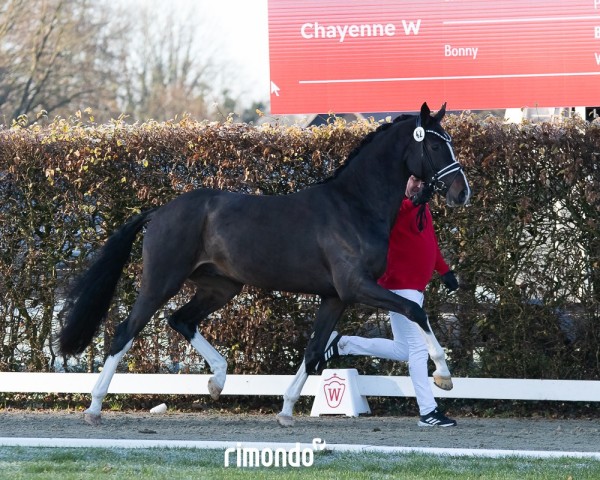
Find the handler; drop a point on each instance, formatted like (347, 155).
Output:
(413, 256)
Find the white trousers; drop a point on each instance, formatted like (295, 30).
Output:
(408, 345)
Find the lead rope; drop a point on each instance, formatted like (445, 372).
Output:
(422, 217)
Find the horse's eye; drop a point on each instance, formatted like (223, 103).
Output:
(435, 147)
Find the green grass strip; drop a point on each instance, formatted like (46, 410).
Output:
(175, 464)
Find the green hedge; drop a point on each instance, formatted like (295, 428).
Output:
(526, 250)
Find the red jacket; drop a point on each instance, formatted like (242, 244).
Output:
(412, 256)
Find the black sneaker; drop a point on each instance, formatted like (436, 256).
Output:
(331, 351)
(436, 418)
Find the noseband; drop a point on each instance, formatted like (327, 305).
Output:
(435, 184)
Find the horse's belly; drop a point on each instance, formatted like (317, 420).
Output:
(275, 274)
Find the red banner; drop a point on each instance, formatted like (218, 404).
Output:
(391, 55)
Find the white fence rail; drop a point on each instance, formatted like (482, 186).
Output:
(369, 385)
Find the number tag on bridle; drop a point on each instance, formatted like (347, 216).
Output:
(419, 134)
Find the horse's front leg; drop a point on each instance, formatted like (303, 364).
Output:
(291, 396)
(330, 310)
(369, 293)
(441, 375)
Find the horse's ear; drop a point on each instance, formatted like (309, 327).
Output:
(441, 112)
(425, 112)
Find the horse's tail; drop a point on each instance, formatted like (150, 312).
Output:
(89, 300)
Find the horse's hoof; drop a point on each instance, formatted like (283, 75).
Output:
(92, 419)
(445, 383)
(285, 420)
(214, 389)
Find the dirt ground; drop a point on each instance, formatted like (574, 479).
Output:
(581, 435)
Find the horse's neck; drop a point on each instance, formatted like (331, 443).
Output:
(377, 184)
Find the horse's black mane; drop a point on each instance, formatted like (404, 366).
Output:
(368, 139)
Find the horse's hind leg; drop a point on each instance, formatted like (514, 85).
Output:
(92, 414)
(141, 313)
(441, 375)
(212, 293)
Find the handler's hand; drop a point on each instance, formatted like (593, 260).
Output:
(450, 281)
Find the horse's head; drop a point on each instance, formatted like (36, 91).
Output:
(432, 159)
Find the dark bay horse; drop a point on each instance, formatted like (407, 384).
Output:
(329, 239)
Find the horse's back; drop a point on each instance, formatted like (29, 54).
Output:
(267, 241)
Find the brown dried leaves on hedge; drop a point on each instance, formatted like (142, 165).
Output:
(526, 250)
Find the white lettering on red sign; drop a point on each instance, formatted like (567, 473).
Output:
(313, 30)
(450, 51)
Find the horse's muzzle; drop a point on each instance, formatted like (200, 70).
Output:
(458, 199)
